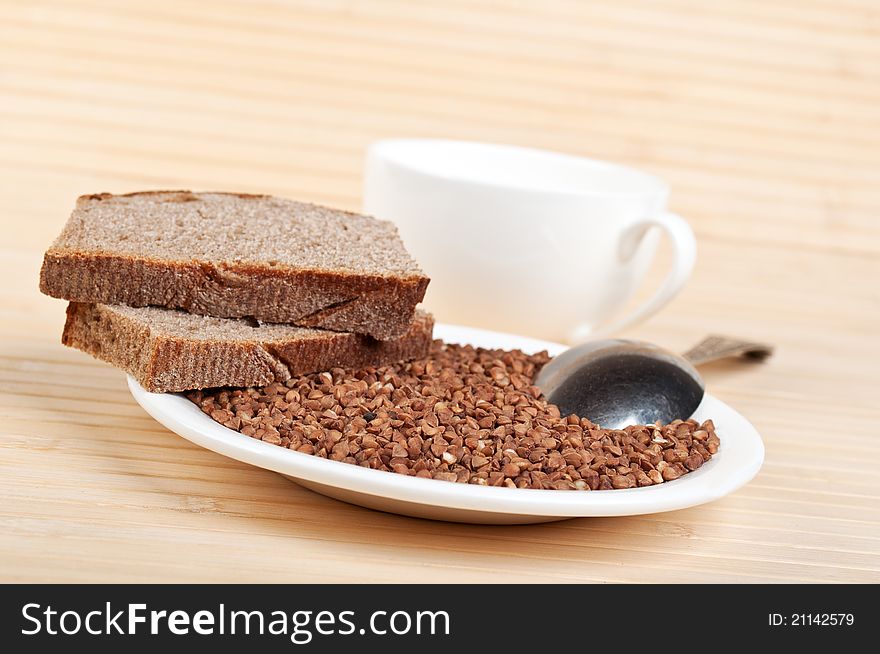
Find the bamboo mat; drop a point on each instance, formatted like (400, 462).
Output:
(762, 115)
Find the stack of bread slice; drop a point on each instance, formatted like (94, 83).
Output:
(196, 290)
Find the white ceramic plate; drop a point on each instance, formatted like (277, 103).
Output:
(737, 461)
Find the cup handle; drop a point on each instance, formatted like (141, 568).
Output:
(684, 254)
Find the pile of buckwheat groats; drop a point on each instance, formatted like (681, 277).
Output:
(463, 414)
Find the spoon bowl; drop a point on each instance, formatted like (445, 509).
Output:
(616, 382)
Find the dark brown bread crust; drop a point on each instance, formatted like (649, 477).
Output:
(379, 306)
(170, 363)
(382, 306)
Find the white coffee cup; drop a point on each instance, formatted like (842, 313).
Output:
(527, 241)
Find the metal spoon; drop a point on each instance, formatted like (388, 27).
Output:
(618, 382)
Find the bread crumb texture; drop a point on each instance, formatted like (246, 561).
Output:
(234, 229)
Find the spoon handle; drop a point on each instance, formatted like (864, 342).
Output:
(716, 347)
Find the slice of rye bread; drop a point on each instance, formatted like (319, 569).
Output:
(236, 255)
(168, 350)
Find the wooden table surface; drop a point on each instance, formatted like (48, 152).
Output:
(762, 114)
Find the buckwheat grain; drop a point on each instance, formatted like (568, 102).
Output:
(463, 414)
